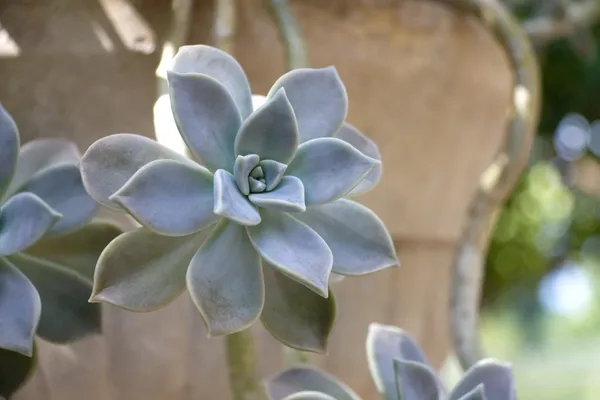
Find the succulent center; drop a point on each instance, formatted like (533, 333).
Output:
(256, 180)
(253, 175)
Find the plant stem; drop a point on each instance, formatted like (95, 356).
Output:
(241, 362)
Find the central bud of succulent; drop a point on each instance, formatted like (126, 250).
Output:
(253, 175)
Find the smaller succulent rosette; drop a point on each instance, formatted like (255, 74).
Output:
(400, 371)
(257, 221)
(47, 250)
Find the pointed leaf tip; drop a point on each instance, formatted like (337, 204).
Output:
(329, 168)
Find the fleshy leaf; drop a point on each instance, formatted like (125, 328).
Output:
(387, 343)
(257, 172)
(365, 145)
(288, 196)
(225, 280)
(15, 370)
(359, 241)
(241, 171)
(66, 313)
(256, 185)
(295, 315)
(476, 394)
(20, 308)
(294, 249)
(169, 197)
(143, 271)
(329, 168)
(496, 377)
(111, 161)
(207, 60)
(207, 118)
(24, 219)
(61, 188)
(414, 381)
(37, 155)
(230, 203)
(271, 131)
(306, 378)
(274, 172)
(79, 250)
(9, 149)
(308, 395)
(318, 98)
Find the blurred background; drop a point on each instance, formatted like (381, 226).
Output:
(541, 298)
(432, 88)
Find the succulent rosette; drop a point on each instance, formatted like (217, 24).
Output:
(400, 371)
(254, 224)
(47, 250)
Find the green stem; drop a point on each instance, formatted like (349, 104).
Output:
(243, 373)
(293, 357)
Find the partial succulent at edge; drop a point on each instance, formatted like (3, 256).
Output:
(256, 230)
(400, 371)
(47, 250)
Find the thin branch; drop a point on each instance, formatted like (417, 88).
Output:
(289, 33)
(499, 179)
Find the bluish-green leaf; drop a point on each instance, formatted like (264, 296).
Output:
(20, 308)
(294, 314)
(230, 203)
(256, 185)
(111, 161)
(61, 188)
(37, 155)
(207, 118)
(414, 381)
(9, 148)
(359, 241)
(273, 172)
(241, 171)
(368, 147)
(143, 271)
(305, 378)
(169, 197)
(207, 60)
(24, 219)
(288, 196)
(15, 370)
(476, 394)
(294, 249)
(318, 98)
(385, 344)
(79, 250)
(496, 377)
(329, 168)
(66, 313)
(271, 131)
(225, 280)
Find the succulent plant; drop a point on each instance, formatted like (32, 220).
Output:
(254, 223)
(400, 371)
(47, 250)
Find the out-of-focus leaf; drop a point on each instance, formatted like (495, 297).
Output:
(295, 315)
(15, 369)
(66, 313)
(20, 309)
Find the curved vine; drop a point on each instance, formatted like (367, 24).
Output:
(499, 180)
